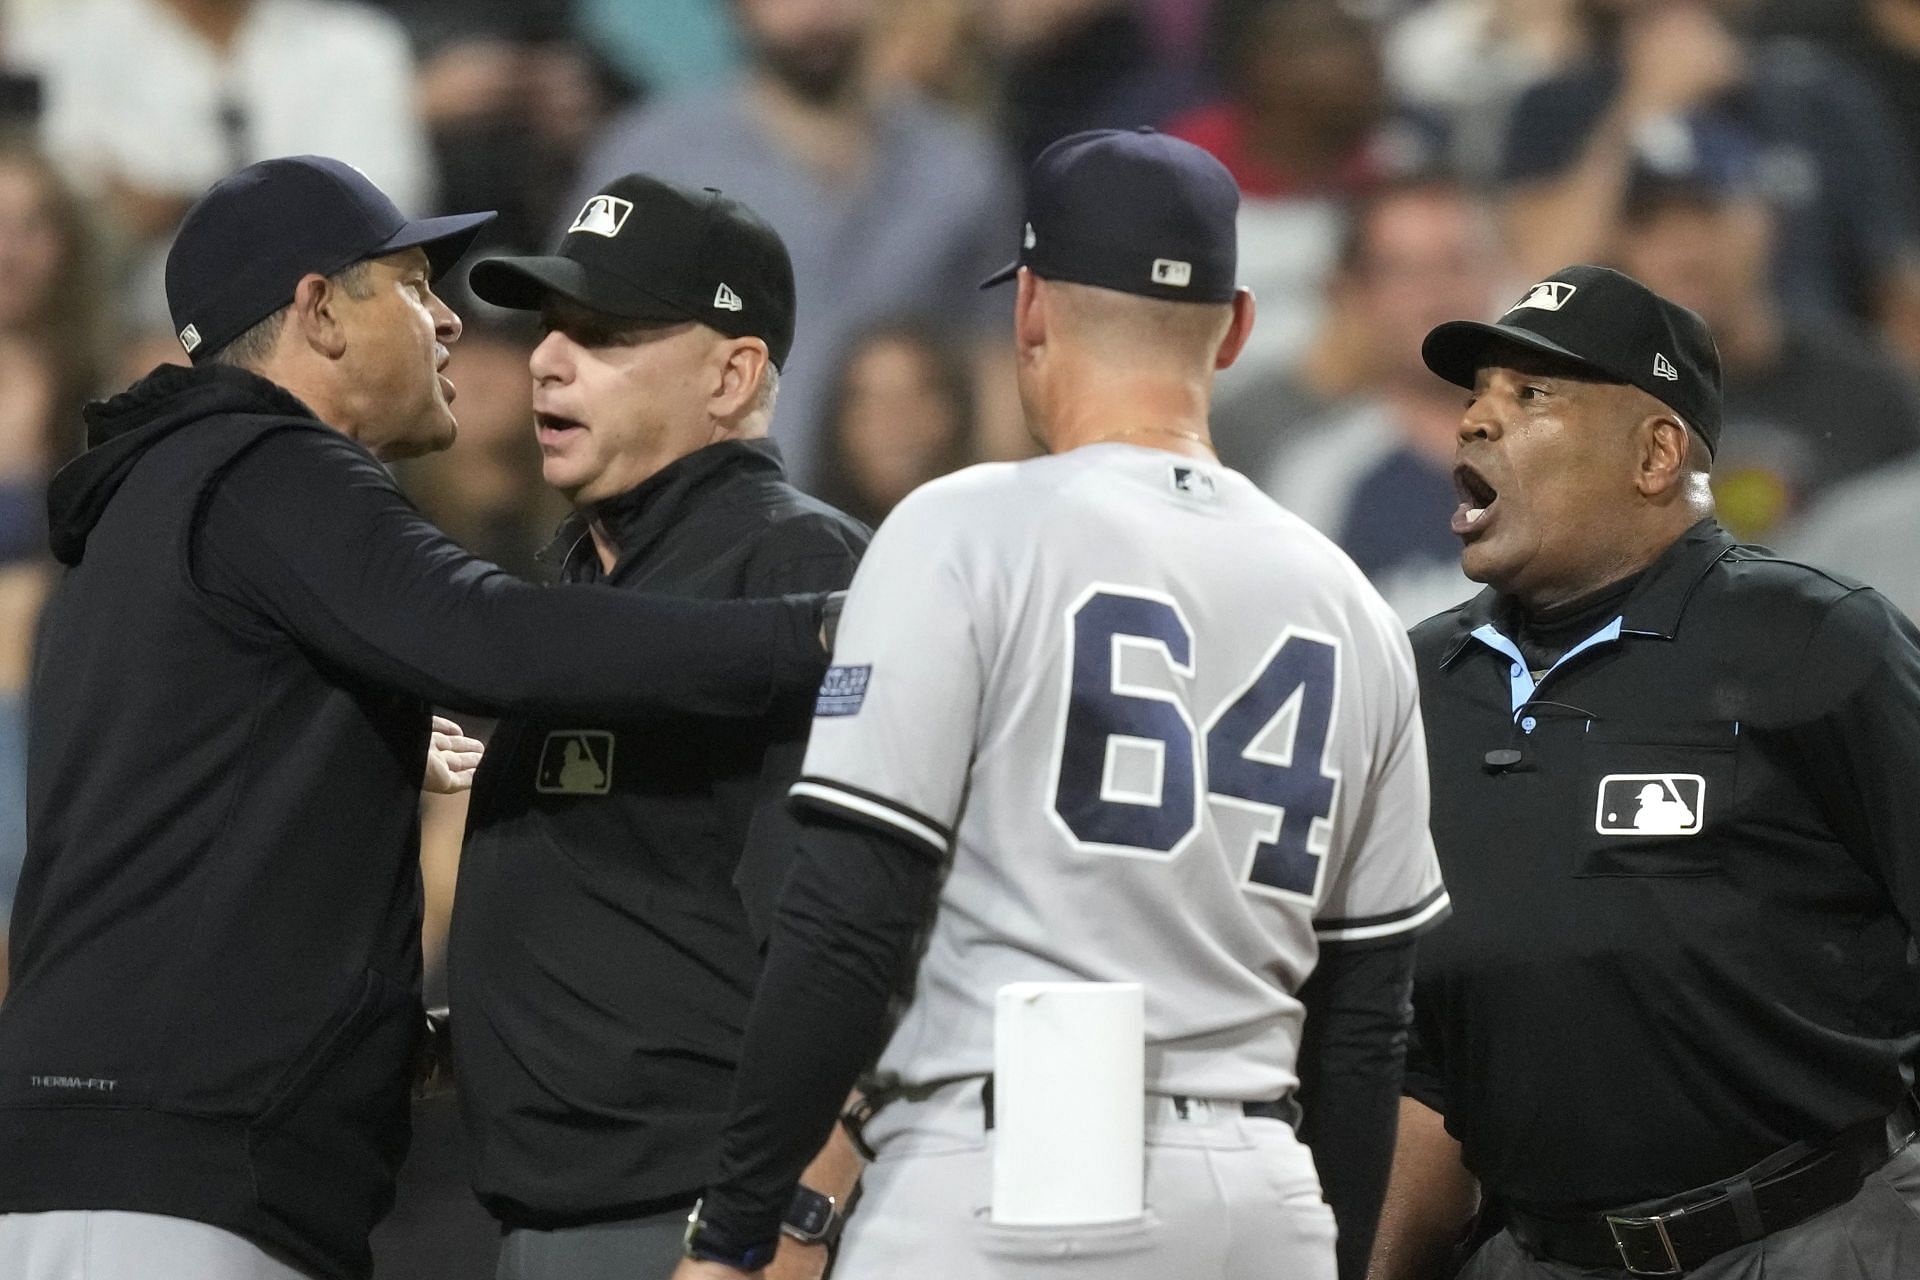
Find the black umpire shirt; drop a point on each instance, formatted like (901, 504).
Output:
(1685, 869)
(618, 881)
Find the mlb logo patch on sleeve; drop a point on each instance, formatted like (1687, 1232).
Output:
(843, 691)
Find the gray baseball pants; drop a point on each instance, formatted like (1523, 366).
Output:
(107, 1244)
(1228, 1197)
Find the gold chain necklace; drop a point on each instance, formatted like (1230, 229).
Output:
(1194, 436)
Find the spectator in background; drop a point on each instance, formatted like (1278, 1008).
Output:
(1306, 126)
(51, 354)
(1810, 400)
(1376, 474)
(668, 46)
(1848, 235)
(1072, 65)
(510, 99)
(53, 348)
(1867, 528)
(900, 414)
(1469, 60)
(937, 49)
(1883, 42)
(151, 101)
(888, 204)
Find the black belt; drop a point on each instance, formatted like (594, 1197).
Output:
(1673, 1236)
(1284, 1109)
(856, 1117)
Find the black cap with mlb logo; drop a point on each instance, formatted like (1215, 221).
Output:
(655, 252)
(1609, 322)
(1131, 210)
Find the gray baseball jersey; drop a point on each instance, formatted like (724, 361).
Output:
(1165, 732)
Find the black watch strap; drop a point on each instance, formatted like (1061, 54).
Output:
(701, 1246)
(813, 1218)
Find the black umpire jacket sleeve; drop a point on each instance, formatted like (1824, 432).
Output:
(1359, 1005)
(1857, 736)
(309, 531)
(856, 905)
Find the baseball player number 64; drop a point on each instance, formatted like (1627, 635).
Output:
(1115, 635)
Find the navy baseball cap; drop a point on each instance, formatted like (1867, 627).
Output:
(1132, 210)
(246, 244)
(1616, 327)
(655, 252)
(1692, 157)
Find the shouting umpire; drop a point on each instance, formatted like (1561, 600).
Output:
(216, 946)
(619, 879)
(1671, 1025)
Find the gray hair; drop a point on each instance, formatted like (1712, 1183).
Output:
(251, 349)
(769, 389)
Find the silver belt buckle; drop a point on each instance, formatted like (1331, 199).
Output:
(1659, 1224)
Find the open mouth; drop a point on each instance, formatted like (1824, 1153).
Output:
(1477, 498)
(551, 428)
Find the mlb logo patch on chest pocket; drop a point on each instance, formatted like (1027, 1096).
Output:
(575, 762)
(1650, 804)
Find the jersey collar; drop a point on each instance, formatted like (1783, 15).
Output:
(1653, 610)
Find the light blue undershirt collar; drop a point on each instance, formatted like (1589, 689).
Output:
(1520, 682)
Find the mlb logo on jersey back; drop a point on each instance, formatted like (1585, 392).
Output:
(603, 216)
(1650, 804)
(1191, 482)
(1548, 295)
(575, 762)
(843, 692)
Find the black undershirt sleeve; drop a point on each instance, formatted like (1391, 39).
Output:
(1359, 1005)
(797, 562)
(844, 937)
(310, 532)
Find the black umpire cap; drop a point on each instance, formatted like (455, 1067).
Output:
(655, 252)
(1616, 327)
(245, 245)
(1131, 210)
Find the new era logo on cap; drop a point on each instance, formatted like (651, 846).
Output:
(727, 300)
(603, 216)
(1548, 295)
(1663, 368)
(190, 339)
(1170, 271)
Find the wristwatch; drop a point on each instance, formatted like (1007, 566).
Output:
(813, 1218)
(702, 1248)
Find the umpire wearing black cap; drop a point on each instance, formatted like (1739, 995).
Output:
(618, 879)
(1671, 1026)
(216, 944)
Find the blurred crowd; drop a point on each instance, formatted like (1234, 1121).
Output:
(1404, 162)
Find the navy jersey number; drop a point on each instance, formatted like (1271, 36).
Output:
(1151, 807)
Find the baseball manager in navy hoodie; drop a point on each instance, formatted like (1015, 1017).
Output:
(204, 1059)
